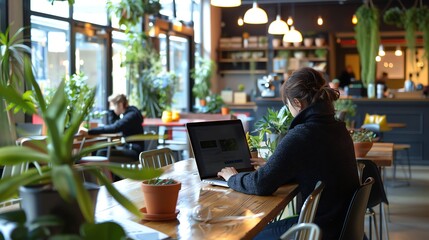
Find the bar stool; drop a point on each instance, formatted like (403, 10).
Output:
(396, 149)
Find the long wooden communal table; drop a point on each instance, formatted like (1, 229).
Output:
(381, 154)
(221, 201)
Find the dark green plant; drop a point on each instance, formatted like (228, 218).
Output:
(58, 160)
(368, 40)
(160, 181)
(214, 104)
(394, 16)
(362, 135)
(131, 12)
(345, 105)
(50, 227)
(202, 73)
(254, 141)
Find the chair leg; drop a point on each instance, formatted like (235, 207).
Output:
(386, 225)
(374, 222)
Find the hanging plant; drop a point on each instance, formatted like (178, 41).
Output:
(71, 2)
(422, 22)
(368, 40)
(394, 16)
(129, 12)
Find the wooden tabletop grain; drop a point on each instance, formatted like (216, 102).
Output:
(195, 194)
(381, 154)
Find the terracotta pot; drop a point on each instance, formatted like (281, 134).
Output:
(308, 42)
(224, 110)
(362, 148)
(320, 42)
(160, 199)
(254, 154)
(203, 102)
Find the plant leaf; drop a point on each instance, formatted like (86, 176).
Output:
(15, 216)
(11, 155)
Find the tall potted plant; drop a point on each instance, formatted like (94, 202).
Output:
(59, 171)
(202, 74)
(368, 40)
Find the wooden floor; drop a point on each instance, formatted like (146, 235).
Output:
(409, 205)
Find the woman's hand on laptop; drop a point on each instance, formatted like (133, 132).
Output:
(227, 172)
(257, 162)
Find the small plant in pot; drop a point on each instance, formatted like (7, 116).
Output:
(254, 142)
(362, 140)
(160, 197)
(202, 74)
(58, 175)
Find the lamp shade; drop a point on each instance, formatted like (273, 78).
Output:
(292, 36)
(278, 27)
(225, 3)
(255, 15)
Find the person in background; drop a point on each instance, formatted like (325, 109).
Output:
(124, 119)
(316, 148)
(346, 77)
(383, 81)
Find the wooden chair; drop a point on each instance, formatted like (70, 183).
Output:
(354, 223)
(312, 229)
(156, 158)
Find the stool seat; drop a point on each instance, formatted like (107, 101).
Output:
(87, 159)
(398, 147)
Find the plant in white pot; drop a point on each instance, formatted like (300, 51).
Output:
(58, 171)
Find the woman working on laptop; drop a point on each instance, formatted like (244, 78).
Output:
(316, 147)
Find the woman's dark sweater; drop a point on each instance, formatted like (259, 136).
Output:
(316, 147)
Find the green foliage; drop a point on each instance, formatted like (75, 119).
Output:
(50, 227)
(362, 135)
(274, 122)
(368, 40)
(75, 86)
(253, 141)
(202, 74)
(58, 159)
(214, 104)
(131, 12)
(346, 105)
(160, 181)
(152, 88)
(394, 16)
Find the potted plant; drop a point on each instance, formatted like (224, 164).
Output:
(160, 197)
(214, 104)
(202, 74)
(362, 141)
(273, 127)
(130, 12)
(254, 142)
(58, 172)
(344, 109)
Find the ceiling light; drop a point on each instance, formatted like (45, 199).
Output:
(378, 59)
(354, 19)
(225, 3)
(289, 21)
(292, 36)
(278, 27)
(240, 21)
(320, 21)
(398, 51)
(255, 15)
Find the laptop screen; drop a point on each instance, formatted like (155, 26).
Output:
(217, 145)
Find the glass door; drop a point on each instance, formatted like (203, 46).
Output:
(90, 59)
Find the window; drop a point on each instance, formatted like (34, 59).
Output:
(93, 11)
(59, 8)
(50, 48)
(119, 84)
(184, 10)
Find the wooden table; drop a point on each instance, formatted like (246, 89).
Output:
(222, 201)
(381, 154)
(157, 122)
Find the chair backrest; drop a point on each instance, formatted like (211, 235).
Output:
(378, 195)
(312, 229)
(353, 227)
(156, 158)
(360, 167)
(309, 208)
(28, 129)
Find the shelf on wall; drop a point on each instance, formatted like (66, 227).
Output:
(243, 72)
(244, 60)
(244, 49)
(301, 48)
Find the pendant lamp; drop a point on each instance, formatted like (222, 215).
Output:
(278, 27)
(398, 51)
(225, 3)
(292, 36)
(255, 15)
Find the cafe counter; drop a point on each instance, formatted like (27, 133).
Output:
(413, 113)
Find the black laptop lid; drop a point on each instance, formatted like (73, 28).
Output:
(219, 144)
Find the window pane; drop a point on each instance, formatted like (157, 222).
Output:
(184, 10)
(163, 50)
(91, 60)
(59, 8)
(179, 64)
(119, 84)
(167, 8)
(49, 50)
(197, 21)
(93, 11)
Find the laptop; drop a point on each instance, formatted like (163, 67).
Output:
(219, 144)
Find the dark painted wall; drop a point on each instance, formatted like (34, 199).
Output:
(3, 15)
